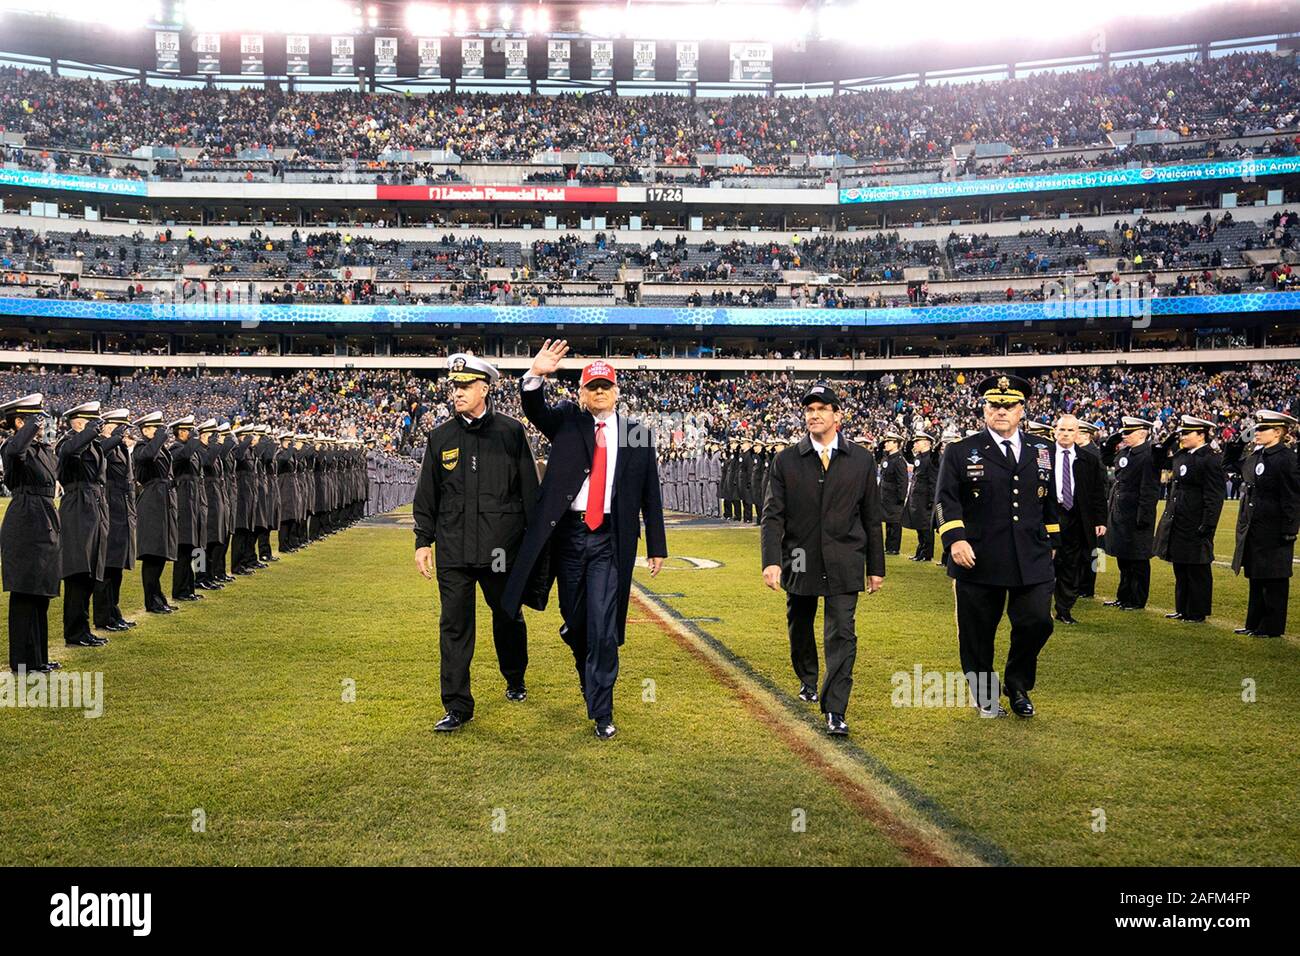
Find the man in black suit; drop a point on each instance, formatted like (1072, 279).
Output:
(1087, 445)
(996, 508)
(1185, 537)
(821, 536)
(601, 479)
(1082, 510)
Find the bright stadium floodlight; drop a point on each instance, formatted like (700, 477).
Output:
(484, 17)
(285, 16)
(123, 15)
(507, 17)
(722, 21)
(976, 24)
(461, 20)
(428, 20)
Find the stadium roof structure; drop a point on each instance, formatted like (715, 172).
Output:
(815, 43)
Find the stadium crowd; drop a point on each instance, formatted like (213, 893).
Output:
(1226, 96)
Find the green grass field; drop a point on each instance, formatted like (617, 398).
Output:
(235, 707)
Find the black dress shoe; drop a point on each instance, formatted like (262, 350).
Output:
(1066, 617)
(270, 557)
(185, 597)
(260, 564)
(992, 711)
(1192, 620)
(452, 721)
(517, 693)
(51, 666)
(1116, 603)
(1021, 705)
(606, 730)
(114, 627)
(1174, 616)
(227, 578)
(1132, 607)
(242, 571)
(835, 725)
(123, 622)
(1243, 630)
(807, 693)
(85, 640)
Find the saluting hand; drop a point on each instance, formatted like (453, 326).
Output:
(549, 358)
(424, 562)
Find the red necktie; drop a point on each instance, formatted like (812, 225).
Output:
(596, 486)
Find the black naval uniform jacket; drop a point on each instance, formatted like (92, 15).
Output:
(832, 514)
(31, 558)
(83, 509)
(1269, 515)
(119, 484)
(478, 483)
(918, 513)
(1186, 532)
(893, 487)
(1007, 514)
(156, 502)
(1131, 511)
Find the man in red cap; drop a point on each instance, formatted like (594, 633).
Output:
(602, 479)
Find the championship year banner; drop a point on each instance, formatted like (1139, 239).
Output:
(430, 56)
(602, 59)
(516, 59)
(342, 50)
(751, 62)
(643, 59)
(557, 59)
(297, 53)
(167, 47)
(252, 54)
(688, 60)
(385, 56)
(208, 47)
(471, 59)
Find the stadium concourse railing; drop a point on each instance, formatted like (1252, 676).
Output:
(1246, 170)
(11, 358)
(249, 315)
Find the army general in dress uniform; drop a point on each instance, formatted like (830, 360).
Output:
(1267, 524)
(996, 508)
(478, 481)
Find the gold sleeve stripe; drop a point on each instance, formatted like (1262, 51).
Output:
(945, 528)
(1053, 528)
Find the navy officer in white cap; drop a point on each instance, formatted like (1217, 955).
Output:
(83, 514)
(1267, 524)
(1185, 536)
(478, 484)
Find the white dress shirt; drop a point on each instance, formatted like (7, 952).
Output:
(1014, 438)
(833, 445)
(579, 502)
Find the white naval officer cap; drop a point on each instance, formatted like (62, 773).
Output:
(88, 410)
(463, 367)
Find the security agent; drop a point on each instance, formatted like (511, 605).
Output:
(115, 443)
(1185, 536)
(478, 482)
(821, 538)
(83, 519)
(30, 549)
(1267, 523)
(1086, 442)
(997, 517)
(1081, 507)
(893, 489)
(155, 510)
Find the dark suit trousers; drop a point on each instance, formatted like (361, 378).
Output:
(893, 536)
(839, 637)
(183, 570)
(1134, 581)
(1266, 608)
(29, 631)
(925, 544)
(457, 627)
(107, 594)
(1072, 557)
(77, 589)
(1193, 590)
(979, 611)
(587, 575)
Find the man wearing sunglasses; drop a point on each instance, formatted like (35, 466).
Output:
(996, 509)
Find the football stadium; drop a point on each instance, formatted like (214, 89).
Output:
(866, 435)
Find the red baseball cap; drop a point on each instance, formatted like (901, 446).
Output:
(597, 370)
